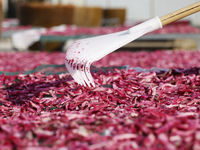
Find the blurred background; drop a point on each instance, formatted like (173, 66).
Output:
(52, 25)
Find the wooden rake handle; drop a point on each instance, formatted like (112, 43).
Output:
(181, 13)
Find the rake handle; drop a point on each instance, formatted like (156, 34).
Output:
(181, 13)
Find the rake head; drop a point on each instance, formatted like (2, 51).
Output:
(84, 52)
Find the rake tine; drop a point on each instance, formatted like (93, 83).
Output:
(82, 77)
(88, 74)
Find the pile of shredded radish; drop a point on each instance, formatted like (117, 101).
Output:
(25, 61)
(126, 110)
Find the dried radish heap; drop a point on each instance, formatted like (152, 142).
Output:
(160, 58)
(126, 110)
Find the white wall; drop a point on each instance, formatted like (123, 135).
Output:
(139, 10)
(163, 7)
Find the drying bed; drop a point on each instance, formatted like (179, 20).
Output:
(180, 27)
(25, 61)
(126, 110)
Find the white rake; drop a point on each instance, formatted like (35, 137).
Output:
(85, 51)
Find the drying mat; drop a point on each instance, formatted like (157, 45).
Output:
(59, 69)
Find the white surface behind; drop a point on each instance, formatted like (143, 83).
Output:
(140, 10)
(137, 10)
